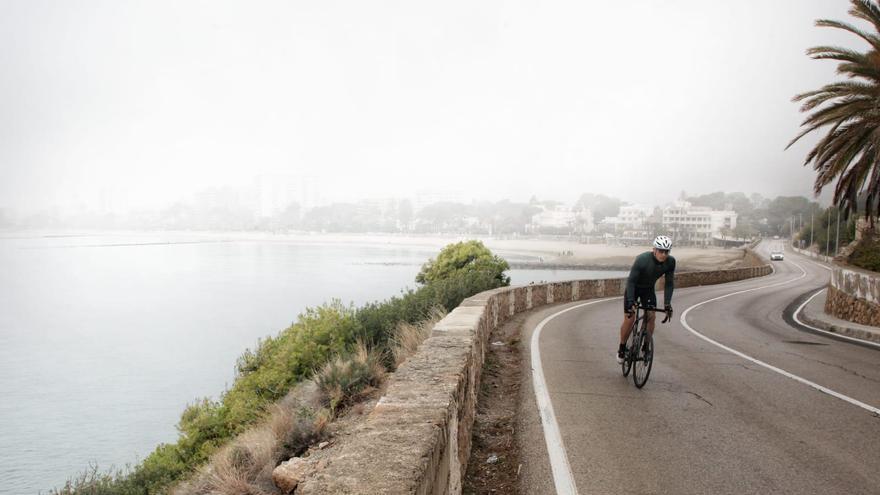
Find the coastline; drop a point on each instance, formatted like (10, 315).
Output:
(535, 252)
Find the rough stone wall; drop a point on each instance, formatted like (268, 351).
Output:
(854, 295)
(752, 260)
(417, 438)
(859, 284)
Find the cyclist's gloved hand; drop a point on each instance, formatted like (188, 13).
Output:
(668, 309)
(630, 308)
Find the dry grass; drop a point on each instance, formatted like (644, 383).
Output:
(346, 378)
(408, 337)
(245, 465)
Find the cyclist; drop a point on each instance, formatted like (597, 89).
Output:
(646, 270)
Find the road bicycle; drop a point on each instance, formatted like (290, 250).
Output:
(639, 355)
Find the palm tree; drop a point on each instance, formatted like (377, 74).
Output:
(850, 150)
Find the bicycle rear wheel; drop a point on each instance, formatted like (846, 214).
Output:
(644, 359)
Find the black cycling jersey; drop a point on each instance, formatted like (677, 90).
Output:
(645, 272)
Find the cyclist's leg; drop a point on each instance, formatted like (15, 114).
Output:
(626, 328)
(650, 300)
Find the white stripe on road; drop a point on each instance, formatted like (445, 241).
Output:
(562, 476)
(782, 372)
(834, 334)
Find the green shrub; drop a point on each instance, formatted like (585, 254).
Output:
(264, 375)
(379, 320)
(867, 254)
(464, 257)
(318, 334)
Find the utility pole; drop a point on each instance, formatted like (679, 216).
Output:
(828, 233)
(837, 241)
(811, 230)
(800, 229)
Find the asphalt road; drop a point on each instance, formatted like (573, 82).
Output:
(708, 421)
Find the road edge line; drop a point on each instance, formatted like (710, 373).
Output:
(563, 479)
(826, 390)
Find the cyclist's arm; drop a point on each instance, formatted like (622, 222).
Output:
(670, 283)
(630, 293)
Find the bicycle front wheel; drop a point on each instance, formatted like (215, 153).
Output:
(626, 365)
(644, 358)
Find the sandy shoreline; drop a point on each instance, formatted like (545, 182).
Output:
(535, 253)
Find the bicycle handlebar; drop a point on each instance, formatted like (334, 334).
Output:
(649, 308)
(656, 310)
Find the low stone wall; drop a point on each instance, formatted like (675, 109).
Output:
(812, 254)
(417, 438)
(854, 295)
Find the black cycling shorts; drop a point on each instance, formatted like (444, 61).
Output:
(646, 296)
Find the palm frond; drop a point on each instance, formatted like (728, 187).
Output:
(850, 70)
(837, 53)
(866, 10)
(849, 111)
(831, 92)
(872, 39)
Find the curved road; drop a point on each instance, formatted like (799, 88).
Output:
(708, 421)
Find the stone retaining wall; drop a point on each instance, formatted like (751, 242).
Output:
(417, 438)
(854, 295)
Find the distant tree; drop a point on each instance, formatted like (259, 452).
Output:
(602, 206)
(781, 210)
(337, 217)
(849, 151)
(405, 213)
(464, 257)
(758, 201)
(505, 217)
(744, 231)
(715, 200)
(290, 216)
(443, 215)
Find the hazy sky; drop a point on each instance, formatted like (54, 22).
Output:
(638, 99)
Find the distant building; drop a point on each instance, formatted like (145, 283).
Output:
(425, 197)
(276, 192)
(697, 225)
(562, 219)
(629, 218)
(635, 217)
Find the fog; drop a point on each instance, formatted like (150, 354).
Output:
(119, 105)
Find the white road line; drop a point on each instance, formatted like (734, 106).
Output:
(820, 265)
(836, 335)
(782, 372)
(562, 477)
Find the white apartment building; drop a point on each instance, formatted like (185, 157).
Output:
(629, 218)
(564, 218)
(690, 224)
(634, 216)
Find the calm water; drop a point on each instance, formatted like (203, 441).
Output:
(105, 339)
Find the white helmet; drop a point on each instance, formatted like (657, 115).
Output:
(663, 242)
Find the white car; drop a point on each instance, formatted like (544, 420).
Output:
(776, 256)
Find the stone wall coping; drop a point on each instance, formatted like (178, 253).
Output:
(855, 269)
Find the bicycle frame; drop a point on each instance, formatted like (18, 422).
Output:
(640, 348)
